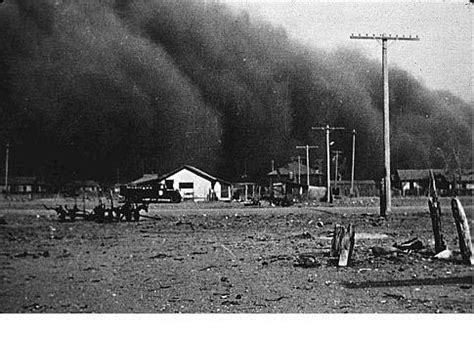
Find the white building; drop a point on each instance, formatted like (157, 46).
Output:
(192, 183)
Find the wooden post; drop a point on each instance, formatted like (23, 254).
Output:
(342, 244)
(382, 198)
(462, 226)
(435, 213)
(347, 246)
(339, 232)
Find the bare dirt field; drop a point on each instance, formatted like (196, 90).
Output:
(211, 258)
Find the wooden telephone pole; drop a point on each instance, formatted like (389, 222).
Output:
(353, 161)
(336, 157)
(328, 129)
(7, 150)
(386, 208)
(307, 147)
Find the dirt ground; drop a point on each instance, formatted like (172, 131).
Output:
(227, 258)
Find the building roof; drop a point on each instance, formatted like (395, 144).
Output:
(197, 171)
(295, 168)
(25, 181)
(423, 174)
(148, 178)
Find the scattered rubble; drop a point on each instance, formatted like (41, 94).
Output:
(306, 261)
(410, 245)
(446, 254)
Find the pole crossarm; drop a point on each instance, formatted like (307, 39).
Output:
(331, 128)
(385, 37)
(309, 147)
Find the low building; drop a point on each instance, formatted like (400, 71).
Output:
(297, 173)
(191, 182)
(417, 182)
(25, 185)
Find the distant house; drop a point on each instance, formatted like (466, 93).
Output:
(417, 182)
(191, 182)
(296, 173)
(24, 185)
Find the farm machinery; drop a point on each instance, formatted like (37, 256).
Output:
(133, 198)
(101, 213)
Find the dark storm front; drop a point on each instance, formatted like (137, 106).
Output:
(112, 90)
(187, 157)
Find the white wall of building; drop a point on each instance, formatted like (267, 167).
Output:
(200, 185)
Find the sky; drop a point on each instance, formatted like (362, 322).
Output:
(441, 59)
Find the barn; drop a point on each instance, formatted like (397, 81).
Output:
(192, 183)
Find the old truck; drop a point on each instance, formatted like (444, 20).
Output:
(149, 194)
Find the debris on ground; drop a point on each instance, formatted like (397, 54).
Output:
(26, 254)
(304, 235)
(306, 261)
(395, 296)
(410, 245)
(275, 299)
(160, 256)
(381, 251)
(446, 254)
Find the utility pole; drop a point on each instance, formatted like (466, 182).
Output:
(307, 147)
(7, 150)
(353, 161)
(328, 129)
(299, 169)
(337, 153)
(386, 209)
